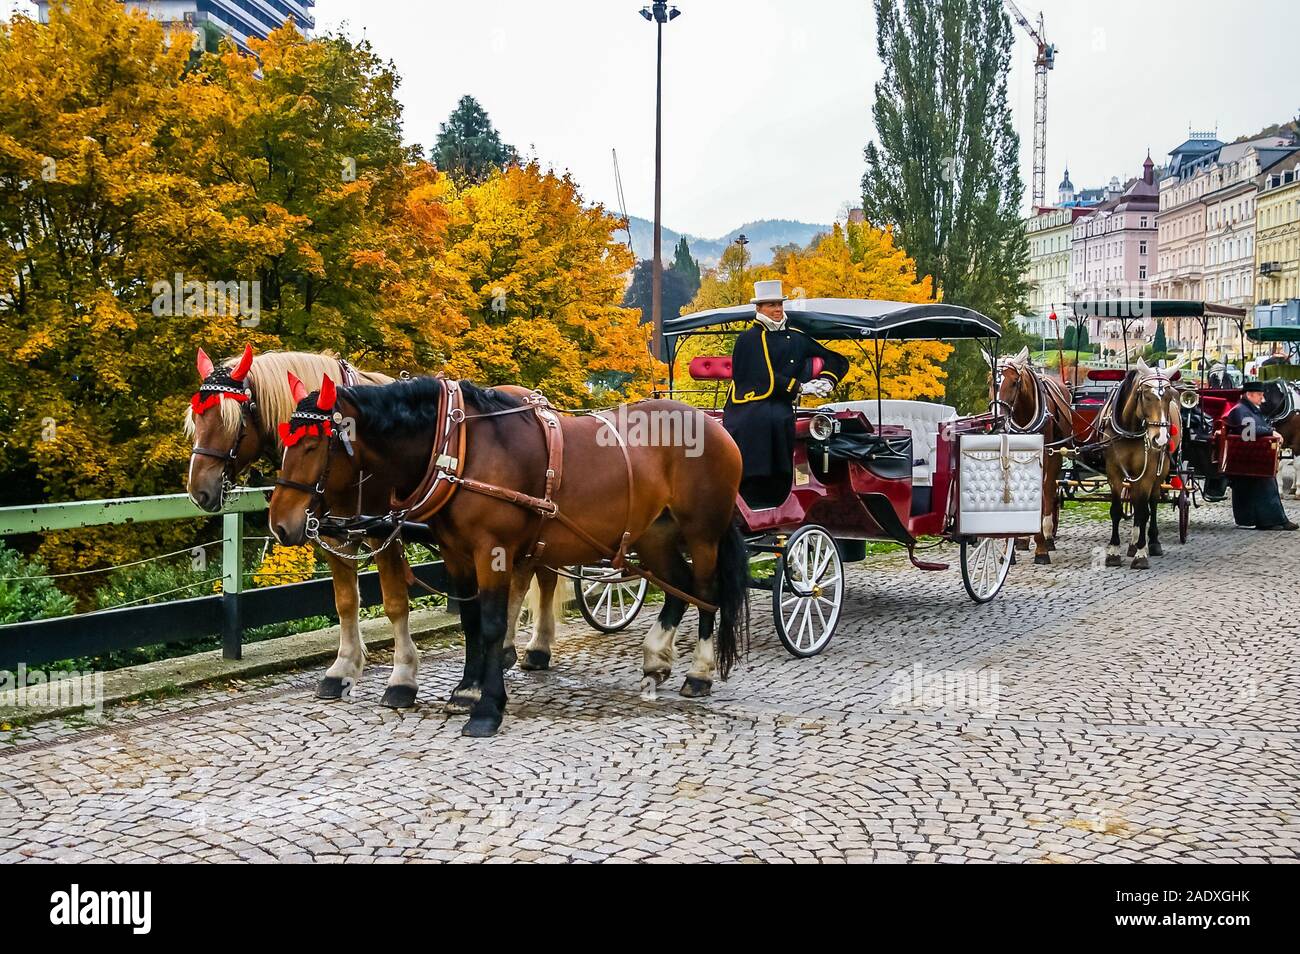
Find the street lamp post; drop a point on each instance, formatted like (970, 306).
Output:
(658, 14)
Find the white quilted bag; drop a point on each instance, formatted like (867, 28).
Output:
(1000, 482)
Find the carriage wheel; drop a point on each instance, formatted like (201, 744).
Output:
(984, 565)
(807, 592)
(606, 600)
(1184, 505)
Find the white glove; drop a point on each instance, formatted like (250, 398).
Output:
(818, 387)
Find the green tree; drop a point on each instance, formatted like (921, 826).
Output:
(686, 266)
(1160, 344)
(1069, 338)
(677, 290)
(945, 172)
(468, 147)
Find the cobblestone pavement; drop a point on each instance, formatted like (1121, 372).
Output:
(1086, 714)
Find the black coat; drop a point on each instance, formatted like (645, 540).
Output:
(1255, 500)
(767, 368)
(1242, 414)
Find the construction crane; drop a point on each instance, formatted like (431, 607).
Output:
(622, 204)
(1044, 60)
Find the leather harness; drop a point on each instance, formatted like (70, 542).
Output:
(445, 474)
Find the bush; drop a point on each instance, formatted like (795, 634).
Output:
(153, 583)
(24, 593)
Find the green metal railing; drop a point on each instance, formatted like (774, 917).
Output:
(178, 620)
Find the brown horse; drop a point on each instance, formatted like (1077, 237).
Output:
(249, 399)
(680, 505)
(1137, 426)
(1037, 404)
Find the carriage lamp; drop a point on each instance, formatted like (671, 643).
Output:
(1188, 399)
(821, 427)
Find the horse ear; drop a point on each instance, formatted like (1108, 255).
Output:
(297, 389)
(325, 401)
(1024, 354)
(1142, 366)
(205, 365)
(245, 362)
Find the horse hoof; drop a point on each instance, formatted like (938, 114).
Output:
(696, 688)
(536, 660)
(650, 688)
(398, 697)
(1042, 559)
(334, 687)
(1156, 550)
(1141, 563)
(1114, 560)
(508, 658)
(481, 727)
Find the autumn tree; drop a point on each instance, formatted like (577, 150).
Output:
(468, 147)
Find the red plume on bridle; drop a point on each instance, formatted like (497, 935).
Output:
(327, 394)
(297, 389)
(245, 362)
(229, 383)
(291, 433)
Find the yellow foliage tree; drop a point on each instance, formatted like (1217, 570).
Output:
(852, 261)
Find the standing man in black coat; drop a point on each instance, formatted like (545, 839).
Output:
(773, 364)
(1255, 500)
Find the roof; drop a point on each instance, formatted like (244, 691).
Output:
(853, 318)
(1153, 308)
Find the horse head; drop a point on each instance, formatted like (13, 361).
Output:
(1149, 403)
(218, 420)
(308, 470)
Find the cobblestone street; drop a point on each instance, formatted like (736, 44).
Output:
(1085, 714)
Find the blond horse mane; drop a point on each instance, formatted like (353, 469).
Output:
(269, 380)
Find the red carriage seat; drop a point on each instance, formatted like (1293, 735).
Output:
(1215, 408)
(718, 367)
(711, 368)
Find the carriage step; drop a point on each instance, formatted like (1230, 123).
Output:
(925, 564)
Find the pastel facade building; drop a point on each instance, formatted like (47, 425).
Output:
(1113, 251)
(1277, 234)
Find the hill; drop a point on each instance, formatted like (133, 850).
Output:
(763, 234)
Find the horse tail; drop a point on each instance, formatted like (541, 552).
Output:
(733, 597)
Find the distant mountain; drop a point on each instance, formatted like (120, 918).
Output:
(764, 235)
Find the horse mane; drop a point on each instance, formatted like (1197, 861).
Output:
(411, 405)
(268, 377)
(1124, 397)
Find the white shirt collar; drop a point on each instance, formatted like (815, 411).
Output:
(769, 324)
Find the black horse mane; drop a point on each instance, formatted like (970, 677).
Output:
(1125, 390)
(411, 405)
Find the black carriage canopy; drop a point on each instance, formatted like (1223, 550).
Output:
(852, 319)
(1153, 308)
(1285, 333)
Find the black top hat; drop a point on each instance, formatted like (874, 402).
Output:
(1253, 386)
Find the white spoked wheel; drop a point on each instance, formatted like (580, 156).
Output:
(605, 599)
(984, 565)
(807, 592)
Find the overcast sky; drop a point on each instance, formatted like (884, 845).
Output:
(768, 102)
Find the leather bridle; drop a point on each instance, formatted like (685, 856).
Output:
(215, 386)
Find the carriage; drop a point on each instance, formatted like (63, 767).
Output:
(874, 470)
(1207, 454)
